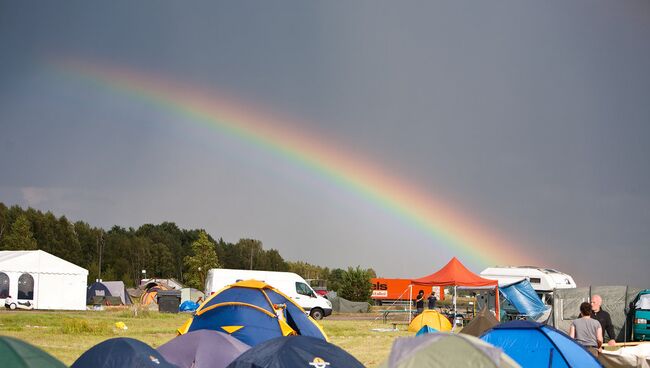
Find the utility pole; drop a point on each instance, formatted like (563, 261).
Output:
(100, 249)
(252, 247)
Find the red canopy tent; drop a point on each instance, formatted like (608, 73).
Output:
(454, 274)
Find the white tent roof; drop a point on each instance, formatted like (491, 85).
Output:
(37, 261)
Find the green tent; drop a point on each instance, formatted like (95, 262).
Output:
(446, 350)
(19, 354)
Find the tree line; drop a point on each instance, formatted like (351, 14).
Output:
(163, 251)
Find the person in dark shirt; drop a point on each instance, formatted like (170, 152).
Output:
(419, 302)
(432, 300)
(603, 317)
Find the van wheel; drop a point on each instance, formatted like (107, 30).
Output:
(316, 314)
(12, 306)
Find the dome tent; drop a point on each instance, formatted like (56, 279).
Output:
(446, 350)
(192, 294)
(253, 312)
(295, 351)
(533, 344)
(426, 330)
(19, 354)
(483, 321)
(100, 290)
(202, 349)
(149, 296)
(432, 319)
(121, 352)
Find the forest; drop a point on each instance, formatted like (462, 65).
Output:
(163, 250)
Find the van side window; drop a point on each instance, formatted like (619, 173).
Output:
(303, 289)
(535, 280)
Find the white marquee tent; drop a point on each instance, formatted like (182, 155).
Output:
(47, 281)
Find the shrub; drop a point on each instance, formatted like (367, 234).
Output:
(355, 285)
(77, 326)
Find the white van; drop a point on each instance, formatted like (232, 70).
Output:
(288, 283)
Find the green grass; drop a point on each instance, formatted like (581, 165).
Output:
(66, 335)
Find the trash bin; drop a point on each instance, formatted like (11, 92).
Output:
(168, 301)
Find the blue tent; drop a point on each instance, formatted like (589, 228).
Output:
(524, 299)
(121, 352)
(533, 344)
(426, 329)
(295, 351)
(96, 289)
(253, 312)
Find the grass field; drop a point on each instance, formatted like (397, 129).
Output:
(66, 335)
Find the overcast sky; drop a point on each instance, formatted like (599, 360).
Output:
(530, 118)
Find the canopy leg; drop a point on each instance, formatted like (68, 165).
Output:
(410, 302)
(455, 311)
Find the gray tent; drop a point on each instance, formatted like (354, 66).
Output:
(345, 306)
(117, 288)
(566, 306)
(107, 291)
(202, 349)
(483, 321)
(191, 294)
(445, 350)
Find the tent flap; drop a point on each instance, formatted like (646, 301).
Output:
(524, 298)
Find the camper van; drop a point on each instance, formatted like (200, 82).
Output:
(288, 283)
(543, 280)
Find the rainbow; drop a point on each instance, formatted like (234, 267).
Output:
(447, 227)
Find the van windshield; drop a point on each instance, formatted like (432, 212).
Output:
(644, 302)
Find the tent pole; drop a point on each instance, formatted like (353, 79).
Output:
(410, 301)
(455, 311)
(496, 304)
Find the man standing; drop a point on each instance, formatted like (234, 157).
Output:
(602, 317)
(587, 331)
(419, 302)
(432, 300)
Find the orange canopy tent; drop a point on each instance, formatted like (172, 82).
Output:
(455, 274)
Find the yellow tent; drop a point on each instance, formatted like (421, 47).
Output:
(432, 319)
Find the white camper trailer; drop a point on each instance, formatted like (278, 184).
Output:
(288, 283)
(543, 280)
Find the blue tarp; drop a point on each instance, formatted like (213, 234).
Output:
(188, 306)
(535, 345)
(524, 298)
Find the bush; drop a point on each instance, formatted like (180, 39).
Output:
(138, 311)
(77, 326)
(355, 285)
